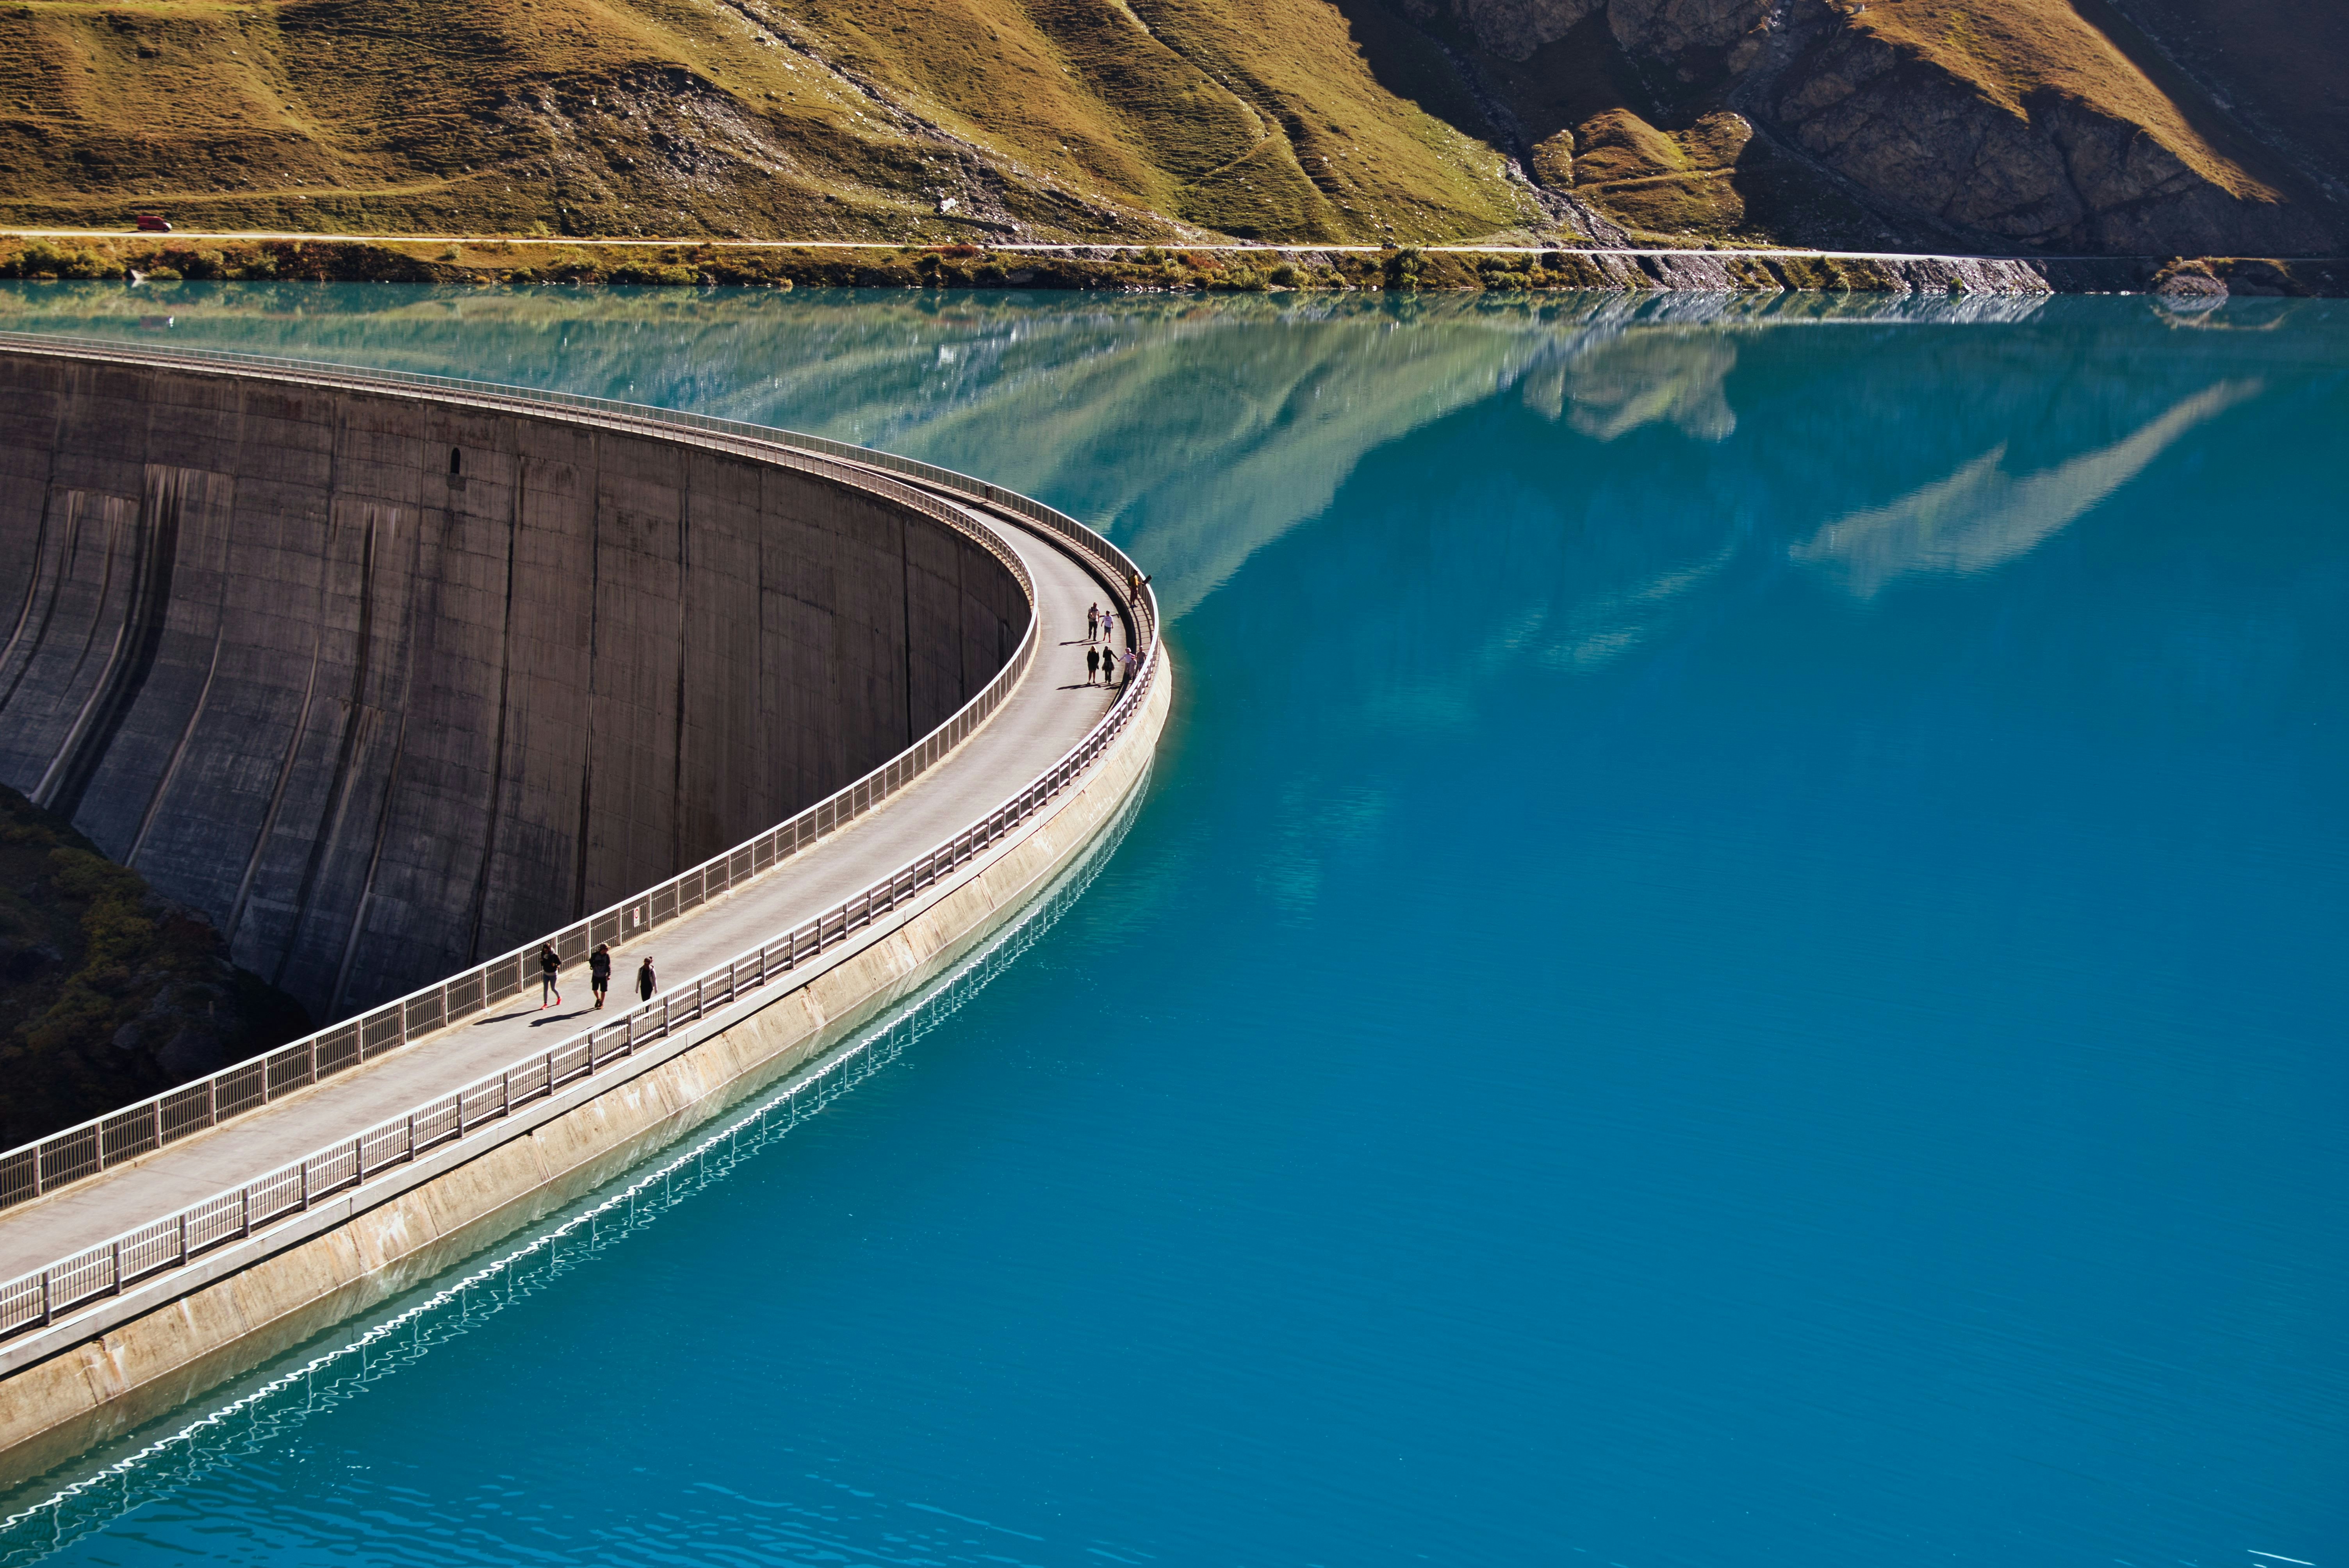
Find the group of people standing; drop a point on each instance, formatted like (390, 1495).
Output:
(599, 975)
(1102, 663)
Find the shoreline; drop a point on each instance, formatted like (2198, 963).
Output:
(101, 256)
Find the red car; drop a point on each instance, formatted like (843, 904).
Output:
(150, 223)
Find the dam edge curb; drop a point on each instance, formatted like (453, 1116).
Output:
(105, 1385)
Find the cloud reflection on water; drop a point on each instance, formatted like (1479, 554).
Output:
(1981, 516)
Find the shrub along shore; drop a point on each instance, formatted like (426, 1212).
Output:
(162, 259)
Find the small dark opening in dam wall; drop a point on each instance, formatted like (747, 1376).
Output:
(387, 684)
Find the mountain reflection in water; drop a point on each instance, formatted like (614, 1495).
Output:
(1731, 958)
(1199, 430)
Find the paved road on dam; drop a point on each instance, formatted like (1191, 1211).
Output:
(1049, 712)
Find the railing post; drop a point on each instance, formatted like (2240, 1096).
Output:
(304, 1169)
(211, 1099)
(114, 1254)
(412, 1135)
(183, 1237)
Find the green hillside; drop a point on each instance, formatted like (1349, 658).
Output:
(2112, 125)
(829, 119)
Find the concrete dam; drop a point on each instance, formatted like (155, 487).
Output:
(384, 685)
(399, 679)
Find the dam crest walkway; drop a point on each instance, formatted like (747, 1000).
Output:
(1050, 710)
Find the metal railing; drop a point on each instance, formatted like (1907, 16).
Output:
(135, 1130)
(33, 1300)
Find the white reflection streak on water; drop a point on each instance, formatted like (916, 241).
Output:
(338, 1375)
(1981, 517)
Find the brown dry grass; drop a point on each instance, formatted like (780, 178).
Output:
(831, 119)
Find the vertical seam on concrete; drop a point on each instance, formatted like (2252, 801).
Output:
(97, 615)
(396, 703)
(309, 698)
(203, 697)
(136, 645)
(375, 858)
(677, 799)
(355, 723)
(905, 614)
(40, 556)
(40, 790)
(505, 689)
(587, 729)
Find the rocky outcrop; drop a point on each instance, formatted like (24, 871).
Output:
(2023, 155)
(1685, 31)
(2060, 174)
(1513, 29)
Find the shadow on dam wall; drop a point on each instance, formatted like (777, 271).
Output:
(385, 686)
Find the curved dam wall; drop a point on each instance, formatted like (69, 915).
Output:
(386, 685)
(449, 1140)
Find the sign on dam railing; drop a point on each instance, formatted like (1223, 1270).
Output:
(135, 1130)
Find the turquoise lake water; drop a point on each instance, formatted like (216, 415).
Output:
(1736, 956)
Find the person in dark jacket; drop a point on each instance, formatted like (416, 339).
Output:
(1092, 663)
(645, 984)
(549, 965)
(599, 971)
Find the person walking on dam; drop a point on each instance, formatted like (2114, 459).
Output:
(1093, 621)
(645, 982)
(549, 965)
(1092, 663)
(599, 972)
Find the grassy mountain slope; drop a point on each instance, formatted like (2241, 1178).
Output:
(865, 119)
(2141, 126)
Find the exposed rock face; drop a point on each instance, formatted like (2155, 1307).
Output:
(1676, 29)
(1516, 28)
(2060, 174)
(2037, 161)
